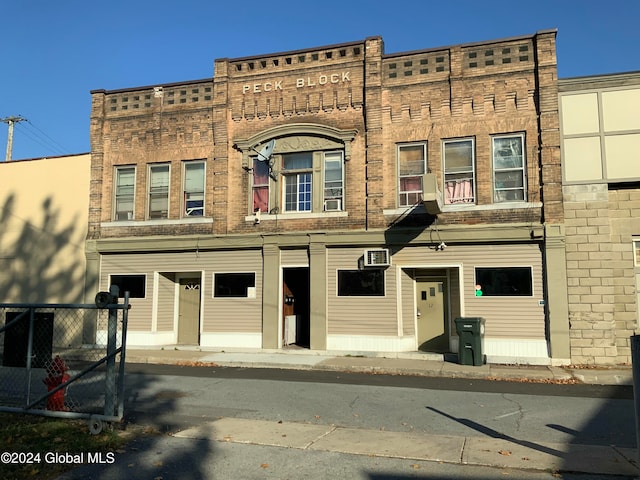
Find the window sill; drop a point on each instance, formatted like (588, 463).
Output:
(491, 206)
(291, 216)
(147, 223)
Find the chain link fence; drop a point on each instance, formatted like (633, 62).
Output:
(64, 359)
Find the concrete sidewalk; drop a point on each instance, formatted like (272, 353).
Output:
(480, 451)
(500, 452)
(425, 364)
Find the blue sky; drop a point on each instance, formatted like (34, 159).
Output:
(54, 53)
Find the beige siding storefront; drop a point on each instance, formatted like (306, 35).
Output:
(156, 313)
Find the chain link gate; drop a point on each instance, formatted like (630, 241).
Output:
(65, 360)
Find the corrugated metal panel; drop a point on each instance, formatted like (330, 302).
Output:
(359, 315)
(514, 317)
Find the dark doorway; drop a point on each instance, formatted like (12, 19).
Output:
(295, 307)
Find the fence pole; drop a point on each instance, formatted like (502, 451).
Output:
(112, 334)
(635, 365)
(123, 350)
(29, 353)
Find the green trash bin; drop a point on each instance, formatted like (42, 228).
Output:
(470, 332)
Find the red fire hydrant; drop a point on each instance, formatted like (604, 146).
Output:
(56, 375)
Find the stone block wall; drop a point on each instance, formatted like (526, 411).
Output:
(600, 221)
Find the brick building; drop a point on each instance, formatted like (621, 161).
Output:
(339, 198)
(601, 175)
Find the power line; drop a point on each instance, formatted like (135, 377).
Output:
(62, 147)
(38, 138)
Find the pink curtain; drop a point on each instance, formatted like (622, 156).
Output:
(261, 199)
(459, 191)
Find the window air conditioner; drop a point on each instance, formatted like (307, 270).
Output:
(333, 205)
(377, 258)
(431, 195)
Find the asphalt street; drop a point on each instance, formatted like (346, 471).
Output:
(221, 422)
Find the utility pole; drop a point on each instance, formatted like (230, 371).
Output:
(11, 121)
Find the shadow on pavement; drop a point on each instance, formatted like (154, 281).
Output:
(152, 454)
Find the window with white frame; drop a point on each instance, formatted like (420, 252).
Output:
(361, 283)
(124, 193)
(193, 194)
(136, 285)
(158, 191)
(636, 252)
(297, 174)
(333, 181)
(412, 160)
(299, 182)
(459, 171)
(238, 285)
(504, 281)
(509, 174)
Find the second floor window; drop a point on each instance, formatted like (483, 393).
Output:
(193, 195)
(297, 173)
(299, 182)
(411, 169)
(509, 179)
(260, 186)
(124, 193)
(158, 191)
(459, 171)
(333, 181)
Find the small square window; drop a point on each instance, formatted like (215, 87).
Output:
(393, 75)
(506, 60)
(473, 55)
(408, 64)
(506, 50)
(424, 61)
(488, 53)
(439, 59)
(392, 66)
